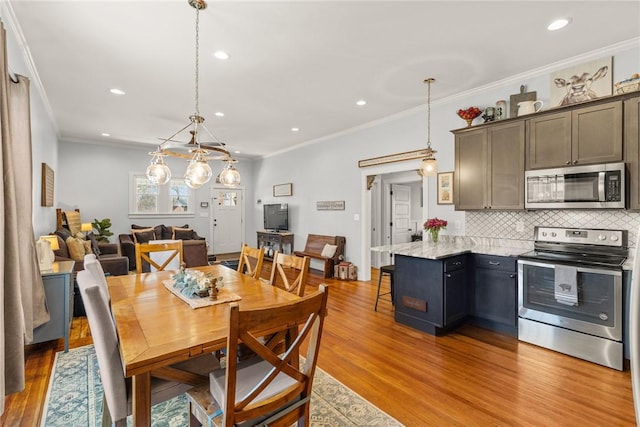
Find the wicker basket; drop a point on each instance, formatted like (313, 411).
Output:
(626, 86)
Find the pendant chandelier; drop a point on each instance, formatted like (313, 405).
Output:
(429, 165)
(198, 171)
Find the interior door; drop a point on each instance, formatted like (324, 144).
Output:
(400, 213)
(226, 220)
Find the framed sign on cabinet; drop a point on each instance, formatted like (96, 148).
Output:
(445, 188)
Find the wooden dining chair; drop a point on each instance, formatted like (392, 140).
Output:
(251, 261)
(289, 272)
(273, 388)
(144, 251)
(117, 391)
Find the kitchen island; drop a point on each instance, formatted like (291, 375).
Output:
(437, 286)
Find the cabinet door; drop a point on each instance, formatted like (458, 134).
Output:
(470, 170)
(495, 296)
(455, 296)
(505, 166)
(597, 134)
(549, 141)
(54, 288)
(632, 155)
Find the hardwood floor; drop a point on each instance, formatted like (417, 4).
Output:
(470, 377)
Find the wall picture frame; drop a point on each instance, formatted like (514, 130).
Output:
(47, 186)
(582, 82)
(445, 188)
(281, 190)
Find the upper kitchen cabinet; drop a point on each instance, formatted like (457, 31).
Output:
(632, 154)
(581, 136)
(489, 167)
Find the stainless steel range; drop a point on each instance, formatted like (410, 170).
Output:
(570, 293)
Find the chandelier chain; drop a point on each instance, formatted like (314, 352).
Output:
(197, 77)
(429, 114)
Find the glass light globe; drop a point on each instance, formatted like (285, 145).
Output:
(429, 167)
(230, 177)
(198, 173)
(158, 173)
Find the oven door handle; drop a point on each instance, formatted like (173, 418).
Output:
(601, 179)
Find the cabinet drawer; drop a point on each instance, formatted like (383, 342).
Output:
(454, 263)
(496, 262)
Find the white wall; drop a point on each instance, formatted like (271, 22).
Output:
(44, 140)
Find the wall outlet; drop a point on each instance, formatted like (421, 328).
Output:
(519, 226)
(356, 217)
(457, 225)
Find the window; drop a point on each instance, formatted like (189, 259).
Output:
(173, 198)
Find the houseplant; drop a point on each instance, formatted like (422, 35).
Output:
(102, 228)
(433, 226)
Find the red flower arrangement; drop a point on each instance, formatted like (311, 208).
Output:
(433, 226)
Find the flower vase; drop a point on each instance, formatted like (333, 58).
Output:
(434, 235)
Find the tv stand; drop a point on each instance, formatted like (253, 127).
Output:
(272, 241)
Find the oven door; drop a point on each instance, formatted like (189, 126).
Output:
(596, 308)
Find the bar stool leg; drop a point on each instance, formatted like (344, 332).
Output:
(375, 308)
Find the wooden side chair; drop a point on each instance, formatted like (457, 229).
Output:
(289, 272)
(117, 398)
(144, 251)
(251, 261)
(272, 388)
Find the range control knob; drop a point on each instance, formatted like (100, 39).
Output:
(614, 238)
(602, 237)
(553, 234)
(544, 234)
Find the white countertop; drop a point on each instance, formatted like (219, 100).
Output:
(455, 245)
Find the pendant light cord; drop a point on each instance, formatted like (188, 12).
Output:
(429, 113)
(197, 61)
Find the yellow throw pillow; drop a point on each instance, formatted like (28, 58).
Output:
(76, 248)
(87, 247)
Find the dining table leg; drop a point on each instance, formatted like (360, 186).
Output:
(142, 400)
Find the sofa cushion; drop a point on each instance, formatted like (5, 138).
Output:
(63, 233)
(329, 250)
(76, 249)
(181, 233)
(143, 235)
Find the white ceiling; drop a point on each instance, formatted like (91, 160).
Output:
(293, 63)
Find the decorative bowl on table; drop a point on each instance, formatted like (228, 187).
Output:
(469, 114)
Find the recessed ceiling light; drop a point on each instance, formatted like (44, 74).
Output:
(116, 91)
(221, 54)
(558, 23)
(295, 129)
(105, 134)
(361, 102)
(220, 114)
(237, 152)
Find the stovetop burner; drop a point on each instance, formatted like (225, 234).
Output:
(585, 247)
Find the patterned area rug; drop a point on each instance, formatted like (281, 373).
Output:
(74, 399)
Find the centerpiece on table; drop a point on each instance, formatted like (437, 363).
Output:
(433, 226)
(197, 284)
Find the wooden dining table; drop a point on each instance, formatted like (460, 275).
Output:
(157, 329)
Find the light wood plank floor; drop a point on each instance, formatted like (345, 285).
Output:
(470, 377)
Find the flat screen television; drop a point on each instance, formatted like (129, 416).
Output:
(276, 217)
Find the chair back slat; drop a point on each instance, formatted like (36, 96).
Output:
(290, 272)
(251, 261)
(144, 250)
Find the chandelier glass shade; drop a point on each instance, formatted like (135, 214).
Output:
(429, 166)
(199, 154)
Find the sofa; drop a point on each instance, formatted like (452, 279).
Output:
(194, 247)
(107, 253)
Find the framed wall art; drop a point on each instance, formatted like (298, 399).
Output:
(283, 190)
(47, 186)
(445, 188)
(580, 83)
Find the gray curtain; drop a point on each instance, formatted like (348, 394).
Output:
(23, 301)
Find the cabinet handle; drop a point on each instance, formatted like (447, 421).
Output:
(568, 162)
(448, 276)
(512, 276)
(575, 162)
(494, 263)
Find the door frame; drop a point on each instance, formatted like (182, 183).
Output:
(217, 187)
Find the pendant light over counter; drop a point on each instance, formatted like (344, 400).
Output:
(429, 165)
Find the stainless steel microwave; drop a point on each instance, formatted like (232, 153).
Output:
(577, 187)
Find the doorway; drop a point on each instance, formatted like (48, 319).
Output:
(396, 211)
(227, 220)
